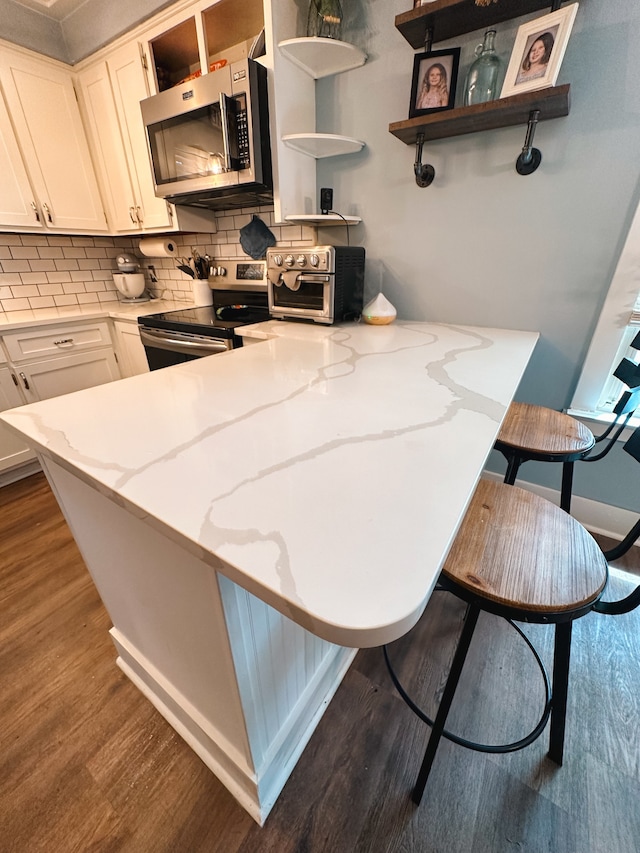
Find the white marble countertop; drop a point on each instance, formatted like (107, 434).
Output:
(115, 310)
(324, 469)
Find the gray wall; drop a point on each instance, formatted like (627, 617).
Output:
(484, 245)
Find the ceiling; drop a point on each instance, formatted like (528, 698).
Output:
(57, 10)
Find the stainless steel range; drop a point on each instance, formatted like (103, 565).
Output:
(239, 297)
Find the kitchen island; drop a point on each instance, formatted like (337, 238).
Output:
(253, 518)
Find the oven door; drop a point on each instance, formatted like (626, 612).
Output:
(164, 348)
(311, 297)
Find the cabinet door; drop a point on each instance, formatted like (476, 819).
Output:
(44, 111)
(13, 451)
(108, 148)
(129, 85)
(44, 379)
(17, 199)
(131, 354)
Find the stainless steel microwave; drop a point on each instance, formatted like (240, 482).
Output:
(209, 139)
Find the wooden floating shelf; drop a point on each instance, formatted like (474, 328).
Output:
(322, 57)
(321, 145)
(451, 18)
(504, 112)
(325, 220)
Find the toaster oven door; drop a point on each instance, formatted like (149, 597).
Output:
(309, 296)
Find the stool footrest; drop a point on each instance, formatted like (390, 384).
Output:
(523, 742)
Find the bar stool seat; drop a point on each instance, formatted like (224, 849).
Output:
(521, 557)
(535, 433)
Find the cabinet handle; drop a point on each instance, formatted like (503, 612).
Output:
(15, 381)
(36, 211)
(47, 212)
(63, 341)
(132, 214)
(138, 217)
(25, 381)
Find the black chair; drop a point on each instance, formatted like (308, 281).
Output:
(536, 433)
(521, 557)
(632, 447)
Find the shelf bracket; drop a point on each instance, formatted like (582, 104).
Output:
(423, 171)
(428, 38)
(530, 157)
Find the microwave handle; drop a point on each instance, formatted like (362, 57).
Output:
(224, 115)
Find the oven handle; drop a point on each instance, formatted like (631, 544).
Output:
(187, 345)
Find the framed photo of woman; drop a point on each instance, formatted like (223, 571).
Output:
(433, 87)
(538, 52)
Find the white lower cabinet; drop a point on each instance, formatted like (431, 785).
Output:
(129, 348)
(41, 380)
(47, 361)
(13, 451)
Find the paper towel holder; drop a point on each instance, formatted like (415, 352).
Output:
(158, 247)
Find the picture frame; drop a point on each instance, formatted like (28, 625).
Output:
(428, 97)
(538, 52)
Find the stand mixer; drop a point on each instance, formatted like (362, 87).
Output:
(129, 281)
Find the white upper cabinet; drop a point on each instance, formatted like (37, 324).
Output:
(111, 93)
(129, 84)
(50, 136)
(17, 199)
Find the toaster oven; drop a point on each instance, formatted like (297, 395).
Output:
(323, 284)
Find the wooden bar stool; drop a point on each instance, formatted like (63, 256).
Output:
(521, 557)
(535, 433)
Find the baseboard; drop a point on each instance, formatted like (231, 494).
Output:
(601, 518)
(19, 473)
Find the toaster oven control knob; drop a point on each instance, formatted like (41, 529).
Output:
(314, 260)
(277, 260)
(289, 261)
(216, 271)
(301, 260)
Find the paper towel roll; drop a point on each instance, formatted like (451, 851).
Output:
(158, 248)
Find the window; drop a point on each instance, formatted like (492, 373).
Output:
(619, 322)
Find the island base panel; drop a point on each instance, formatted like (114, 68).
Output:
(241, 683)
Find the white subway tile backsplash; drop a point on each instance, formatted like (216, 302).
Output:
(18, 252)
(36, 302)
(26, 290)
(34, 278)
(65, 300)
(42, 270)
(50, 289)
(50, 252)
(15, 304)
(16, 266)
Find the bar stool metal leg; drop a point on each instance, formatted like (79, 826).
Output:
(447, 698)
(513, 464)
(561, 659)
(567, 486)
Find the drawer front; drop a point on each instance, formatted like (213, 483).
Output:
(53, 340)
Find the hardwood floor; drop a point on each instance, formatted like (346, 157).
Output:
(87, 764)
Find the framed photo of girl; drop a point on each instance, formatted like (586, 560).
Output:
(538, 52)
(433, 87)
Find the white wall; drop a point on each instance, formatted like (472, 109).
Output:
(484, 245)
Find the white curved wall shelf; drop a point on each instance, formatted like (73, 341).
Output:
(323, 220)
(321, 145)
(322, 57)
